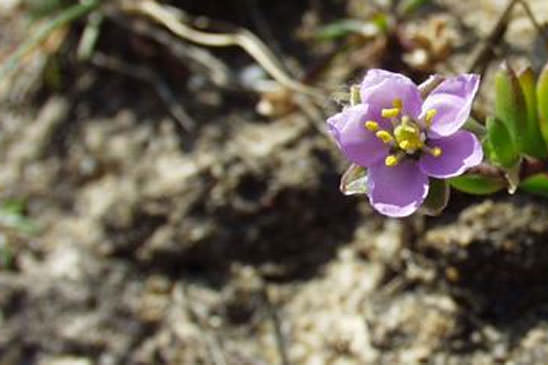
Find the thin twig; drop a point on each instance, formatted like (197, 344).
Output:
(240, 37)
(494, 37)
(529, 167)
(541, 32)
(276, 323)
(215, 69)
(146, 75)
(90, 35)
(42, 33)
(213, 341)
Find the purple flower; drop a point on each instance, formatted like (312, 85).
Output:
(403, 140)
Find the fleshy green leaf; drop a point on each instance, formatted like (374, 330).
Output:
(510, 104)
(438, 197)
(500, 146)
(477, 184)
(354, 180)
(542, 102)
(536, 184)
(533, 144)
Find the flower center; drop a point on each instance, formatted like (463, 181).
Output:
(407, 137)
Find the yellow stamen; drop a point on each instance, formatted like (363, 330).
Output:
(372, 125)
(391, 160)
(434, 151)
(430, 114)
(384, 136)
(405, 144)
(390, 113)
(398, 104)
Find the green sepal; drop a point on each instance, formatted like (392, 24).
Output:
(533, 143)
(510, 104)
(437, 199)
(536, 184)
(477, 184)
(354, 180)
(542, 102)
(512, 176)
(499, 145)
(355, 95)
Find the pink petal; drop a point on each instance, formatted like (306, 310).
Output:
(379, 88)
(460, 152)
(358, 144)
(397, 191)
(453, 100)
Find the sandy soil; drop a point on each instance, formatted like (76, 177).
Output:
(125, 239)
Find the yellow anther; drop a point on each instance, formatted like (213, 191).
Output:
(405, 144)
(398, 104)
(430, 114)
(384, 136)
(391, 160)
(436, 152)
(390, 113)
(372, 125)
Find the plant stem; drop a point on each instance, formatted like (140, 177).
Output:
(529, 167)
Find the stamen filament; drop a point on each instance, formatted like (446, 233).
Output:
(430, 114)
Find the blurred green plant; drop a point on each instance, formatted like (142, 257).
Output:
(60, 18)
(6, 254)
(381, 22)
(40, 8)
(12, 215)
(341, 28)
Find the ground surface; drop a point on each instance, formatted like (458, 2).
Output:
(127, 240)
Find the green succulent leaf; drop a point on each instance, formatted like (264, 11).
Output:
(542, 102)
(536, 184)
(438, 197)
(499, 146)
(510, 104)
(533, 144)
(477, 184)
